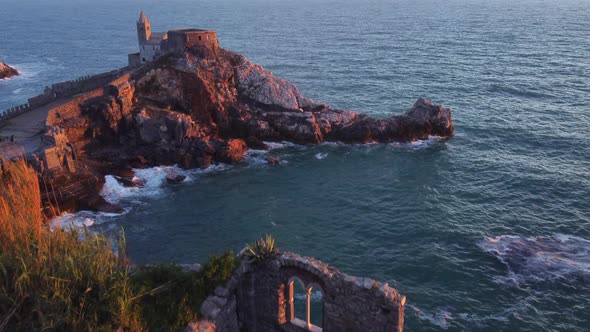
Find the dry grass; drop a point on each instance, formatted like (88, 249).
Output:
(19, 200)
(53, 280)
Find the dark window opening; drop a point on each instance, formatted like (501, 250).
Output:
(305, 306)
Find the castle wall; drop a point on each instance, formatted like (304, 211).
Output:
(86, 83)
(134, 60)
(148, 52)
(180, 40)
(63, 90)
(71, 109)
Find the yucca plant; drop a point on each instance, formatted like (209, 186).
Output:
(261, 249)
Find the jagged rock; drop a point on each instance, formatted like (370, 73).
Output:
(175, 177)
(231, 151)
(255, 143)
(272, 160)
(263, 87)
(128, 181)
(164, 126)
(6, 71)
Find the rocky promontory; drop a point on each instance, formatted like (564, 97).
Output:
(6, 71)
(212, 105)
(202, 106)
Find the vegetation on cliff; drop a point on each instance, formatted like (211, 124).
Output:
(71, 280)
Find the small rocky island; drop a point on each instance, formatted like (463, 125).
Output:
(6, 71)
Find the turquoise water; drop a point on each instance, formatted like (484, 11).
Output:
(489, 230)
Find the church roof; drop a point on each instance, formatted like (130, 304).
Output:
(156, 38)
(142, 18)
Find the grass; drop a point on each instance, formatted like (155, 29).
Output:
(53, 280)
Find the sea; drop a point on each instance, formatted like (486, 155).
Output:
(485, 231)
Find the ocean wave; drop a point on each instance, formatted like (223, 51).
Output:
(320, 156)
(316, 296)
(440, 317)
(82, 219)
(540, 258)
(279, 145)
(151, 182)
(518, 92)
(419, 144)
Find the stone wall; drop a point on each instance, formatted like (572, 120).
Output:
(14, 111)
(62, 90)
(134, 60)
(70, 109)
(262, 295)
(86, 83)
(181, 40)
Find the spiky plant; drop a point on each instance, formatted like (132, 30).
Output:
(261, 249)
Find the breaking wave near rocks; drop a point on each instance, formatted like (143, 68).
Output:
(541, 258)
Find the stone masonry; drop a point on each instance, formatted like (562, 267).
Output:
(259, 297)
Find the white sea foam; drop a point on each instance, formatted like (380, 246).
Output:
(82, 219)
(420, 144)
(540, 258)
(279, 145)
(256, 157)
(150, 180)
(320, 156)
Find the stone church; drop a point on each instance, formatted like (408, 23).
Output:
(153, 44)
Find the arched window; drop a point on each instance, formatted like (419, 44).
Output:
(316, 307)
(305, 305)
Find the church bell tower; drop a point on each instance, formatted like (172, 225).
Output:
(144, 30)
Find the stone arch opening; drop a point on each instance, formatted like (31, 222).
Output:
(297, 306)
(305, 308)
(316, 306)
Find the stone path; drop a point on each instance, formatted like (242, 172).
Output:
(27, 129)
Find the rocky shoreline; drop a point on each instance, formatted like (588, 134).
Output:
(6, 71)
(193, 109)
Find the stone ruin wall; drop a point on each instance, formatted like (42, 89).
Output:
(257, 298)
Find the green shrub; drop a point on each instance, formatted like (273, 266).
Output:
(172, 297)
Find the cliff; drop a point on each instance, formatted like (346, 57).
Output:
(6, 71)
(195, 108)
